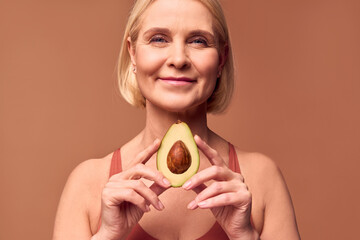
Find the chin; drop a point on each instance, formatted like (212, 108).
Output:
(176, 103)
(179, 107)
(176, 108)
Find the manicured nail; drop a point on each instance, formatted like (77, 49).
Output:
(202, 204)
(192, 205)
(166, 182)
(186, 185)
(160, 205)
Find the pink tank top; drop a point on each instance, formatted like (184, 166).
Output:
(215, 232)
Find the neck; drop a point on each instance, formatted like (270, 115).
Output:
(159, 120)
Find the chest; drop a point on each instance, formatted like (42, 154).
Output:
(176, 221)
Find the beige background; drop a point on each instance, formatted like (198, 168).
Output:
(297, 100)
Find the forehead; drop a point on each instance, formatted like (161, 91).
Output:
(179, 14)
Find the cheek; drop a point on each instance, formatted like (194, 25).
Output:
(207, 66)
(207, 63)
(148, 60)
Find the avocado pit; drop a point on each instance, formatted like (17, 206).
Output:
(179, 158)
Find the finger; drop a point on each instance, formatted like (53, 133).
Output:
(213, 156)
(142, 171)
(210, 173)
(237, 199)
(216, 188)
(112, 197)
(146, 154)
(193, 204)
(145, 192)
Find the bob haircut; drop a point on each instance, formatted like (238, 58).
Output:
(220, 98)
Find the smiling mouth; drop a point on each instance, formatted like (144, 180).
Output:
(178, 81)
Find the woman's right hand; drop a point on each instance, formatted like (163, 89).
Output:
(126, 198)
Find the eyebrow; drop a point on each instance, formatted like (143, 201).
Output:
(207, 34)
(158, 30)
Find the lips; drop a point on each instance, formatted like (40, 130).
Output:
(177, 81)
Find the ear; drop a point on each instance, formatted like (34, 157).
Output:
(223, 55)
(131, 50)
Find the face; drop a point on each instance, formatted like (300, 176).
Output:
(176, 55)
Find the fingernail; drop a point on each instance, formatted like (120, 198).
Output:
(197, 137)
(186, 185)
(161, 206)
(202, 204)
(147, 208)
(166, 182)
(192, 205)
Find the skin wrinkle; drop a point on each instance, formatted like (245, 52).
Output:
(167, 101)
(188, 54)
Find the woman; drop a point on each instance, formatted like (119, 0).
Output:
(176, 61)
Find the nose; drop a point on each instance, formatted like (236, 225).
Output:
(178, 56)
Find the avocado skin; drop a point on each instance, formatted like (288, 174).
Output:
(179, 131)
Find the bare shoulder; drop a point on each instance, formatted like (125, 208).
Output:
(273, 211)
(81, 198)
(263, 176)
(91, 171)
(257, 165)
(260, 173)
(88, 179)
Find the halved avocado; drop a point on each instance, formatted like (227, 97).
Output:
(178, 156)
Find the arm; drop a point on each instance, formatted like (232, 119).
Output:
(124, 199)
(228, 196)
(279, 215)
(230, 200)
(72, 211)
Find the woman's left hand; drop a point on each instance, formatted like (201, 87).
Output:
(228, 196)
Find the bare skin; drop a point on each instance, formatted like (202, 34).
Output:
(263, 179)
(140, 194)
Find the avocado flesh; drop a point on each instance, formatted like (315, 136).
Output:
(179, 131)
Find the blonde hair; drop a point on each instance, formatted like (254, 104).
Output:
(128, 86)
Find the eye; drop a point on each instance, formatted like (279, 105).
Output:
(158, 39)
(199, 41)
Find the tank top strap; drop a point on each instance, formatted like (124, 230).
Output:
(115, 166)
(216, 232)
(233, 159)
